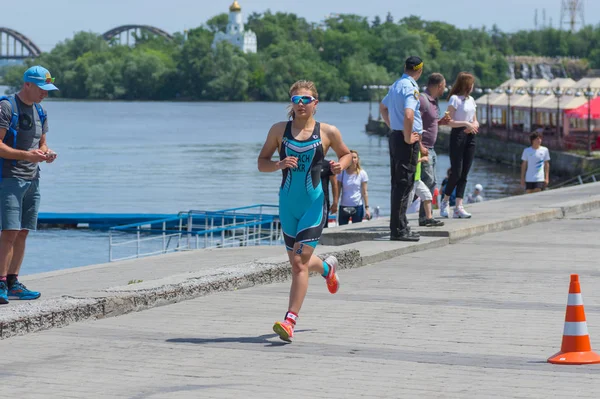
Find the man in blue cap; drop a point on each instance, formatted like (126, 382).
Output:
(23, 127)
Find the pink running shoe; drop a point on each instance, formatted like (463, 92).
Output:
(285, 330)
(332, 279)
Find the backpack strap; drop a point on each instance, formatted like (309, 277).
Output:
(41, 113)
(14, 122)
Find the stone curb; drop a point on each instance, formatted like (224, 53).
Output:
(60, 312)
(546, 213)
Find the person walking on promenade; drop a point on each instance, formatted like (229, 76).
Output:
(400, 111)
(328, 177)
(430, 113)
(535, 168)
(352, 183)
(303, 143)
(463, 120)
(23, 128)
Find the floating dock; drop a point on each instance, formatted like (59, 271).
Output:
(104, 221)
(101, 221)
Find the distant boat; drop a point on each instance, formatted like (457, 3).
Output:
(344, 100)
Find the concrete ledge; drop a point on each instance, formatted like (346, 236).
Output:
(502, 225)
(61, 311)
(377, 251)
(490, 216)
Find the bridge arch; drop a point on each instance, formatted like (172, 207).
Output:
(108, 35)
(24, 41)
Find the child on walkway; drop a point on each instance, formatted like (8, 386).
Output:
(423, 192)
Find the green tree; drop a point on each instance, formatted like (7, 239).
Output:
(218, 23)
(229, 75)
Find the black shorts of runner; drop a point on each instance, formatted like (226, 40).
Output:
(534, 185)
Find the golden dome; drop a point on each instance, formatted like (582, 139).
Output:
(235, 6)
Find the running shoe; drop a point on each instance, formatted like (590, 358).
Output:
(285, 330)
(444, 205)
(19, 291)
(3, 293)
(332, 279)
(460, 213)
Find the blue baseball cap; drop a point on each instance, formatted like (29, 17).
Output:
(40, 76)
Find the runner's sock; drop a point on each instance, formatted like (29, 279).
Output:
(11, 279)
(291, 317)
(325, 269)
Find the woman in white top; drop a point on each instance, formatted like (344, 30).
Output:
(463, 120)
(352, 184)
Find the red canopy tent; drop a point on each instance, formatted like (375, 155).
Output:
(582, 111)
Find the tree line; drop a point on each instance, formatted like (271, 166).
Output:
(341, 54)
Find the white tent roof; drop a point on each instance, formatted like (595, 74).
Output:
(563, 83)
(544, 99)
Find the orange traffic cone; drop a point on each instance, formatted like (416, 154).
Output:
(576, 347)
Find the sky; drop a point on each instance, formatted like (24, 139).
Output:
(58, 20)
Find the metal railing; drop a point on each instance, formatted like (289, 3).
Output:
(579, 179)
(195, 230)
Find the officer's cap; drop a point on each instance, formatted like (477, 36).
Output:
(413, 63)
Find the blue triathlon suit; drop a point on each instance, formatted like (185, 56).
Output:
(302, 208)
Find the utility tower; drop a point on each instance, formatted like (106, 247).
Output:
(571, 13)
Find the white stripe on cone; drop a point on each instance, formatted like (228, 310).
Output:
(575, 328)
(575, 299)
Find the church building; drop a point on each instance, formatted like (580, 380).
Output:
(235, 33)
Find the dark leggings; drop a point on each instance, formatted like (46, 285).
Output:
(462, 152)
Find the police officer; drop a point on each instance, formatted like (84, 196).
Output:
(400, 111)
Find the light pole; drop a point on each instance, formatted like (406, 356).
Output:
(488, 91)
(589, 94)
(531, 92)
(509, 93)
(368, 89)
(558, 93)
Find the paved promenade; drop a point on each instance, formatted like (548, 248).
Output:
(476, 319)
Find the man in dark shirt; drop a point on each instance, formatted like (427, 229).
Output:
(23, 128)
(326, 177)
(430, 112)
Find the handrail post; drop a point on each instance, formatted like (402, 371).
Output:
(138, 242)
(260, 229)
(110, 245)
(189, 228)
(205, 230)
(212, 226)
(164, 234)
(233, 229)
(223, 230)
(179, 234)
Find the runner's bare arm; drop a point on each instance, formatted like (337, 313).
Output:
(272, 143)
(335, 141)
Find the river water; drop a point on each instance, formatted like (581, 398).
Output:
(150, 157)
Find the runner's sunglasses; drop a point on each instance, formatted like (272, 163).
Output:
(304, 99)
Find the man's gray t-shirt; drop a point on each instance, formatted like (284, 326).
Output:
(430, 112)
(29, 130)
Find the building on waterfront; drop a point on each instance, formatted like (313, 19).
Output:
(235, 32)
(554, 107)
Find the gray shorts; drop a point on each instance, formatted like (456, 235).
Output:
(19, 203)
(421, 191)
